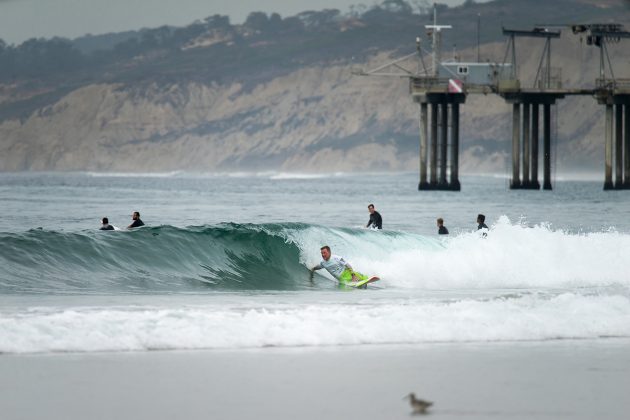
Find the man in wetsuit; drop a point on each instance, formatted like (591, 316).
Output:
(337, 267)
(376, 221)
(136, 220)
(442, 230)
(481, 219)
(481, 222)
(105, 224)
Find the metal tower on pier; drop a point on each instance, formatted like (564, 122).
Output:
(614, 93)
(441, 89)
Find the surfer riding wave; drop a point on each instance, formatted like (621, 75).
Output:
(340, 268)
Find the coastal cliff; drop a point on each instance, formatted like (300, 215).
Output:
(309, 116)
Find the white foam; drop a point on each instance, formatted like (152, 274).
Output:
(511, 256)
(134, 174)
(528, 317)
(289, 176)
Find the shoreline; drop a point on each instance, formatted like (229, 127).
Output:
(577, 379)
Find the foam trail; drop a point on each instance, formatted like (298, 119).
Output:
(527, 317)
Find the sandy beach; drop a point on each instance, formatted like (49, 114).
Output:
(576, 379)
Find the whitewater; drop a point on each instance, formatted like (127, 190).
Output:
(224, 263)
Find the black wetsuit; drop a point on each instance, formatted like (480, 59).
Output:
(442, 230)
(107, 227)
(375, 220)
(482, 226)
(136, 223)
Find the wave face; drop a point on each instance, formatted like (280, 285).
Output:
(238, 257)
(154, 259)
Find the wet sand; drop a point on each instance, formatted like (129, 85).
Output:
(573, 379)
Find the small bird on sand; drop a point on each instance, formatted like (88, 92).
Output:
(419, 406)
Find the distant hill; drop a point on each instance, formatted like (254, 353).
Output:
(274, 92)
(89, 44)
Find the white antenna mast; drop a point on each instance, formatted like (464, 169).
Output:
(435, 31)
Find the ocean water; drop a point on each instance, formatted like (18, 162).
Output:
(223, 262)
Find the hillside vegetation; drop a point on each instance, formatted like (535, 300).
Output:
(277, 92)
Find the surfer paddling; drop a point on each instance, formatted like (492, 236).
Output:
(341, 269)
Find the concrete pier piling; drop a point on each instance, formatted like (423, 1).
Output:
(626, 146)
(616, 140)
(535, 131)
(547, 146)
(516, 138)
(618, 146)
(443, 144)
(526, 138)
(439, 150)
(608, 148)
(434, 144)
(527, 151)
(455, 185)
(423, 146)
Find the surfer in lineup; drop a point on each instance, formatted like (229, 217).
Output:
(376, 221)
(340, 268)
(105, 224)
(135, 216)
(442, 230)
(481, 222)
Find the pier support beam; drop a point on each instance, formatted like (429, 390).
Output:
(434, 143)
(516, 138)
(526, 128)
(455, 185)
(626, 145)
(618, 146)
(443, 143)
(526, 149)
(546, 146)
(424, 146)
(608, 149)
(434, 140)
(534, 180)
(616, 139)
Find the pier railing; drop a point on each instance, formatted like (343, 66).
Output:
(613, 84)
(426, 83)
(552, 81)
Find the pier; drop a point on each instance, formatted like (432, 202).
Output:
(616, 98)
(439, 91)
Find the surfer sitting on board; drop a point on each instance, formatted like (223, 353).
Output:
(137, 222)
(376, 221)
(105, 224)
(340, 269)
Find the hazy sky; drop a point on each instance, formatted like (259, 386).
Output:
(23, 19)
